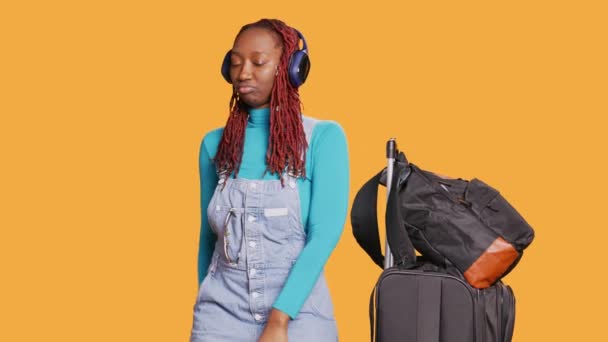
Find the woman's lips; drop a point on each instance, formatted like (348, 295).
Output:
(245, 89)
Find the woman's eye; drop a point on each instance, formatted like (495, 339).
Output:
(259, 63)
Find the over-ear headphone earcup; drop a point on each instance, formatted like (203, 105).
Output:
(299, 66)
(226, 67)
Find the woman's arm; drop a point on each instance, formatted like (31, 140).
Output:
(327, 215)
(208, 181)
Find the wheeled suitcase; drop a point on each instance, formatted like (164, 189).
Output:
(414, 305)
(418, 301)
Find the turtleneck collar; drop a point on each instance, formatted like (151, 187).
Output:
(259, 117)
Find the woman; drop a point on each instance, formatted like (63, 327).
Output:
(274, 200)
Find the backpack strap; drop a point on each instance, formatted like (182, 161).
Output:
(364, 220)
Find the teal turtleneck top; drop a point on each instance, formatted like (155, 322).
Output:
(323, 196)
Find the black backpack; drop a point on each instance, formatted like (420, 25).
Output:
(464, 227)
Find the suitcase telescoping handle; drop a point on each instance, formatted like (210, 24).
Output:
(364, 216)
(391, 155)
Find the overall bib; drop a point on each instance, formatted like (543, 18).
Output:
(259, 236)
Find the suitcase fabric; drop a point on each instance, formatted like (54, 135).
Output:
(420, 306)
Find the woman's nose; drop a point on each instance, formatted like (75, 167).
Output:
(244, 73)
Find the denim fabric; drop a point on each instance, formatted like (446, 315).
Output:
(260, 235)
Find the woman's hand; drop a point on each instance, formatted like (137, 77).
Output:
(276, 327)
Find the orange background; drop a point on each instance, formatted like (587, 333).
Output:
(103, 105)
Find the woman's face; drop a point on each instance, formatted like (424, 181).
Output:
(253, 65)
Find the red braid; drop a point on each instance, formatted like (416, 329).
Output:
(287, 142)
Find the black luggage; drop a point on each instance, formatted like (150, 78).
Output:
(414, 305)
(418, 300)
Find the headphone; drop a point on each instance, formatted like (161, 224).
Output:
(298, 68)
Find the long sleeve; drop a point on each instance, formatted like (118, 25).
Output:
(327, 215)
(208, 181)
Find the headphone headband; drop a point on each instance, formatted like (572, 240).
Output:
(304, 46)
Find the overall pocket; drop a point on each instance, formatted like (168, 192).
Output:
(276, 233)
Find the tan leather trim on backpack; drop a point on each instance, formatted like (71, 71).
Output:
(491, 264)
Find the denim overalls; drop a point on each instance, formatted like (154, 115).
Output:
(260, 234)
